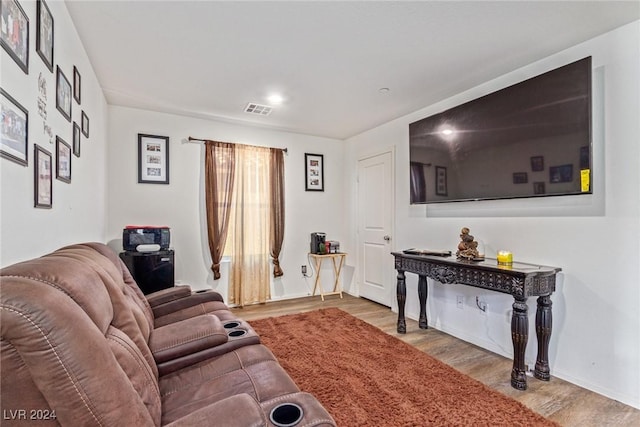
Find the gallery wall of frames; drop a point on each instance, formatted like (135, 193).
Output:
(49, 100)
(52, 155)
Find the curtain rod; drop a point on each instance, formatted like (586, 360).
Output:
(205, 140)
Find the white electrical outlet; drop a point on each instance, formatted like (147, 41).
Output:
(460, 301)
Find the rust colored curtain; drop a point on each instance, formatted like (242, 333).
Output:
(219, 181)
(277, 208)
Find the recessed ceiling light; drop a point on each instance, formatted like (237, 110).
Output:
(275, 99)
(384, 90)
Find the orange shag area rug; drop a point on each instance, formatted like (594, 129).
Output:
(365, 377)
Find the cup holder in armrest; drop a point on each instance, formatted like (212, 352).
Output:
(237, 333)
(231, 325)
(286, 415)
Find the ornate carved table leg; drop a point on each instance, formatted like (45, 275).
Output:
(543, 333)
(519, 336)
(422, 296)
(401, 293)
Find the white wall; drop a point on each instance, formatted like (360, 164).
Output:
(180, 204)
(78, 212)
(594, 239)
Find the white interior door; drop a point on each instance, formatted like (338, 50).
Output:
(375, 219)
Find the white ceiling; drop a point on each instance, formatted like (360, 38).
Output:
(208, 59)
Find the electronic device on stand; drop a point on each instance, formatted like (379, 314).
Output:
(317, 239)
(148, 257)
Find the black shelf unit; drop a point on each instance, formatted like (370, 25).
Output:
(152, 271)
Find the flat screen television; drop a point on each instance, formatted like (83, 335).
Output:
(531, 139)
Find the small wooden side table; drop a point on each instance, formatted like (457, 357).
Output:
(337, 268)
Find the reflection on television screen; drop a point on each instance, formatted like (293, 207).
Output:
(532, 139)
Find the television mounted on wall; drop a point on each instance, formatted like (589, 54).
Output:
(531, 139)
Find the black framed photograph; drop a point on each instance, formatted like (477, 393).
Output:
(441, 181)
(314, 172)
(76, 84)
(14, 33)
(563, 173)
(537, 163)
(538, 188)
(585, 158)
(153, 159)
(63, 160)
(63, 94)
(76, 139)
(85, 124)
(44, 34)
(14, 132)
(43, 183)
(520, 178)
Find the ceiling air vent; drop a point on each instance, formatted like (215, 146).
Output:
(260, 110)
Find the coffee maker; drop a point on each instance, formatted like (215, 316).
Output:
(316, 240)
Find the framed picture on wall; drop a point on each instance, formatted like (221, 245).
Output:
(14, 38)
(63, 160)
(314, 172)
(153, 159)
(63, 94)
(76, 139)
(77, 85)
(44, 34)
(43, 186)
(15, 129)
(85, 124)
(441, 181)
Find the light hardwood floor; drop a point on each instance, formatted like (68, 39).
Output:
(558, 400)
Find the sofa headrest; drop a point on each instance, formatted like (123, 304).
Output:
(71, 276)
(54, 356)
(71, 333)
(132, 290)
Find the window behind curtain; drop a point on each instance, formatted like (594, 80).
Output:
(249, 228)
(244, 188)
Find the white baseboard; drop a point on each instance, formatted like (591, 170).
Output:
(558, 373)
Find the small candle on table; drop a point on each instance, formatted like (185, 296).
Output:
(505, 258)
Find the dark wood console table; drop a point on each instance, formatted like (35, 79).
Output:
(519, 280)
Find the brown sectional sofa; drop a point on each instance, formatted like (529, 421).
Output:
(82, 346)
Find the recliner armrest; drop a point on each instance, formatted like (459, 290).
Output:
(240, 410)
(195, 298)
(186, 337)
(169, 294)
(240, 334)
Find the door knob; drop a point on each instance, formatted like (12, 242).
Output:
(387, 238)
